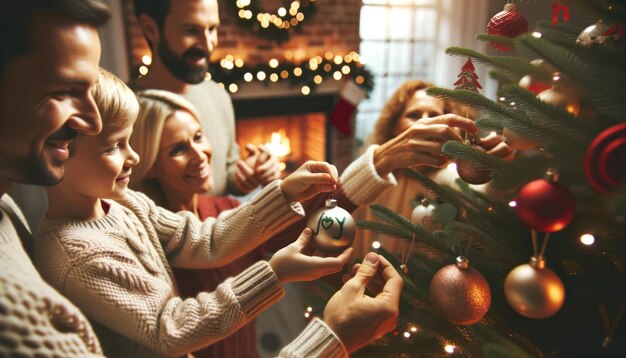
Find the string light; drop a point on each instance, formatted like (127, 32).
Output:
(449, 348)
(273, 63)
(537, 34)
(345, 69)
(297, 71)
(239, 62)
(146, 60)
(306, 90)
(248, 77)
(261, 75)
(376, 245)
(587, 239)
(143, 70)
(512, 203)
(273, 77)
(337, 75)
(233, 88)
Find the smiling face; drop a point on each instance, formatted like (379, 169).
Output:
(182, 167)
(188, 37)
(100, 165)
(45, 100)
(420, 106)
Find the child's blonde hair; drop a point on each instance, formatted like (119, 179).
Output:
(117, 104)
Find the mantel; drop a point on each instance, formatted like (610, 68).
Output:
(257, 100)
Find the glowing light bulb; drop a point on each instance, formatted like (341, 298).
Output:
(248, 77)
(273, 63)
(147, 60)
(449, 348)
(406, 335)
(143, 70)
(376, 245)
(261, 75)
(282, 12)
(537, 34)
(512, 203)
(306, 90)
(587, 239)
(337, 75)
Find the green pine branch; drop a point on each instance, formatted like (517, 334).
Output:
(597, 84)
(392, 217)
(518, 66)
(385, 229)
(495, 38)
(489, 124)
(559, 122)
(463, 151)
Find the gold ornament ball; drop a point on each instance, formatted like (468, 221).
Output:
(459, 293)
(333, 228)
(517, 141)
(561, 98)
(533, 290)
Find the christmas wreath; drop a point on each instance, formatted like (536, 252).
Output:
(273, 26)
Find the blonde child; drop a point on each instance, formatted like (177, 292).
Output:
(111, 250)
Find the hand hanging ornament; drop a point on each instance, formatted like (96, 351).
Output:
(509, 23)
(544, 205)
(333, 227)
(459, 293)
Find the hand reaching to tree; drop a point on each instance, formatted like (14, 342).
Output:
(309, 180)
(421, 143)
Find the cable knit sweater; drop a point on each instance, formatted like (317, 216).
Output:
(117, 270)
(35, 320)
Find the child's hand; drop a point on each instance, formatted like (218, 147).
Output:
(291, 264)
(309, 180)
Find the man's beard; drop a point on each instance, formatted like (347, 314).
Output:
(178, 66)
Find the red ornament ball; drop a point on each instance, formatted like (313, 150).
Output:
(509, 23)
(545, 206)
(472, 172)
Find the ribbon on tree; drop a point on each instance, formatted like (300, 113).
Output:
(556, 10)
(349, 98)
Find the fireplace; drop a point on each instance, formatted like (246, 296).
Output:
(294, 125)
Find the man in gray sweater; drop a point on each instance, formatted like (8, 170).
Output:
(182, 34)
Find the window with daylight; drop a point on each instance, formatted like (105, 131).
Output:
(406, 39)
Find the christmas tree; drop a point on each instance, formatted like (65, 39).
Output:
(565, 185)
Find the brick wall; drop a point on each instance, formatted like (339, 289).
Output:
(335, 28)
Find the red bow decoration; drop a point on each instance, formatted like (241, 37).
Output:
(616, 31)
(556, 10)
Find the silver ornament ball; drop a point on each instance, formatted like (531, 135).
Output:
(333, 227)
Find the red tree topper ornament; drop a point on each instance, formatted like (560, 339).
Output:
(545, 206)
(468, 79)
(509, 23)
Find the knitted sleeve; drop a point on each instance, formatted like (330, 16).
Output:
(118, 292)
(191, 243)
(317, 340)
